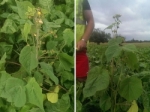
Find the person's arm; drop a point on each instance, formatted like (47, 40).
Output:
(88, 16)
(90, 24)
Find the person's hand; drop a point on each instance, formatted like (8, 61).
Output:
(82, 44)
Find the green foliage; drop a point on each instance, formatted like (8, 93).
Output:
(36, 55)
(96, 81)
(28, 58)
(34, 93)
(127, 81)
(130, 88)
(105, 102)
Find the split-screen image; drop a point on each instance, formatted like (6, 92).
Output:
(74, 56)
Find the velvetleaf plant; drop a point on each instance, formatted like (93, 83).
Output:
(36, 52)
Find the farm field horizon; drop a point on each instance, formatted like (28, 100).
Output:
(138, 44)
(118, 79)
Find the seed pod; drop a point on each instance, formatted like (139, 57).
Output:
(40, 21)
(34, 34)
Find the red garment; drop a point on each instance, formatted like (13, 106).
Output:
(82, 64)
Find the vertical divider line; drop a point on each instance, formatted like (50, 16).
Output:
(74, 55)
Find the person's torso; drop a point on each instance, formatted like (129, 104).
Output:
(80, 22)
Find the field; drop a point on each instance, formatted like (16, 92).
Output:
(141, 45)
(118, 80)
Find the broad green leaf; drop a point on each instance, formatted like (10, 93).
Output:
(14, 17)
(59, 13)
(115, 41)
(98, 79)
(39, 77)
(11, 109)
(67, 76)
(28, 58)
(23, 8)
(3, 79)
(113, 52)
(62, 105)
(131, 60)
(59, 21)
(52, 97)
(14, 8)
(9, 27)
(2, 61)
(46, 4)
(69, 22)
(3, 2)
(49, 25)
(68, 36)
(35, 110)
(5, 15)
(47, 68)
(10, 2)
(34, 93)
(134, 107)
(105, 102)
(5, 48)
(56, 90)
(66, 61)
(26, 30)
(21, 73)
(16, 90)
(51, 45)
(25, 108)
(131, 88)
(129, 48)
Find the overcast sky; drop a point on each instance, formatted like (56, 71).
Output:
(135, 17)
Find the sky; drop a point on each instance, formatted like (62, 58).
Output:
(135, 17)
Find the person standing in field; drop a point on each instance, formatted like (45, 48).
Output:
(84, 28)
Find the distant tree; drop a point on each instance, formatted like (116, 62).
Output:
(99, 36)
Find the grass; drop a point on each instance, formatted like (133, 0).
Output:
(142, 44)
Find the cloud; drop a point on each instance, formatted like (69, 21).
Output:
(135, 16)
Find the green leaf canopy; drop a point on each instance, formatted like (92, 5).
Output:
(34, 93)
(66, 61)
(16, 90)
(105, 102)
(47, 68)
(9, 27)
(28, 58)
(98, 79)
(131, 88)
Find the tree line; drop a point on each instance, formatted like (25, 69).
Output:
(99, 36)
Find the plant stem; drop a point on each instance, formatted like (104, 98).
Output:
(63, 88)
(13, 63)
(111, 85)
